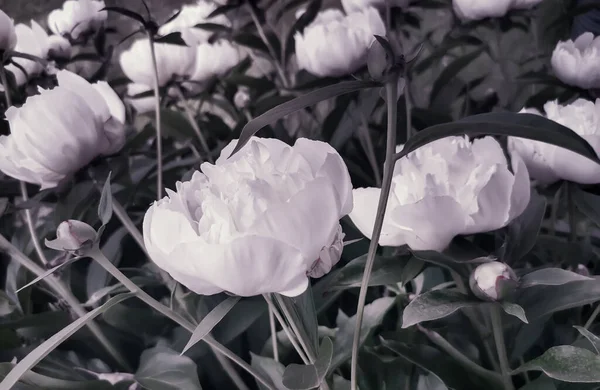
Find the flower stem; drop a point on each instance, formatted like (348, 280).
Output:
(496, 317)
(98, 256)
(263, 36)
(63, 292)
(388, 170)
(304, 343)
(190, 117)
(570, 187)
(408, 104)
(369, 149)
(593, 316)
(442, 343)
(273, 333)
(286, 330)
(159, 162)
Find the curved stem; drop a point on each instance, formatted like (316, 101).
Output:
(263, 36)
(63, 292)
(496, 317)
(159, 174)
(98, 256)
(190, 117)
(286, 330)
(31, 226)
(388, 170)
(128, 224)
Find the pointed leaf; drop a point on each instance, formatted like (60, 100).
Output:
(305, 377)
(386, 270)
(173, 38)
(105, 208)
(303, 313)
(550, 277)
(164, 369)
(49, 272)
(210, 321)
(515, 310)
(528, 126)
(35, 356)
(268, 368)
(592, 338)
(296, 104)
(566, 363)
(451, 71)
(588, 204)
(434, 305)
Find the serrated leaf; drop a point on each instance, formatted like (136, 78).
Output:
(550, 277)
(296, 104)
(592, 338)
(210, 321)
(49, 345)
(514, 310)
(530, 126)
(566, 363)
(105, 208)
(305, 377)
(164, 369)
(434, 305)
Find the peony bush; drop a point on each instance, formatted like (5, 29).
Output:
(299, 195)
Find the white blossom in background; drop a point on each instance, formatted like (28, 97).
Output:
(8, 36)
(59, 131)
(577, 63)
(213, 60)
(30, 40)
(357, 5)
(450, 187)
(191, 15)
(77, 18)
(548, 163)
(141, 104)
(335, 44)
(480, 9)
(262, 221)
(172, 61)
(59, 47)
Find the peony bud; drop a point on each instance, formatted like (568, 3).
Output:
(378, 61)
(493, 281)
(242, 98)
(73, 236)
(8, 36)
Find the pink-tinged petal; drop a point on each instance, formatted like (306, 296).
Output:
(246, 266)
(364, 212)
(429, 224)
(574, 167)
(307, 221)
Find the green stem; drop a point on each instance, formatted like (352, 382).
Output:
(286, 329)
(571, 210)
(496, 317)
(593, 316)
(303, 342)
(98, 256)
(369, 149)
(62, 291)
(408, 104)
(190, 117)
(273, 333)
(388, 171)
(442, 343)
(159, 162)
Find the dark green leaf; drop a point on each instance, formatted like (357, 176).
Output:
(434, 305)
(588, 204)
(297, 104)
(48, 272)
(105, 208)
(305, 377)
(451, 71)
(34, 381)
(303, 313)
(268, 368)
(566, 363)
(210, 321)
(592, 338)
(514, 310)
(173, 38)
(529, 126)
(300, 24)
(386, 270)
(550, 277)
(164, 369)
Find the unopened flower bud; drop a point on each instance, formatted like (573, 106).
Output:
(241, 98)
(378, 61)
(73, 236)
(583, 270)
(328, 257)
(493, 281)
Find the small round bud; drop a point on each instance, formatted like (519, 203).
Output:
(242, 98)
(73, 236)
(493, 281)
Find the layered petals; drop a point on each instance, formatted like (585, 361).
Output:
(577, 63)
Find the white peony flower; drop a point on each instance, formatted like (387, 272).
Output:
(59, 131)
(190, 16)
(480, 9)
(59, 47)
(449, 187)
(172, 61)
(548, 163)
(357, 5)
(30, 40)
(578, 63)
(214, 60)
(335, 44)
(77, 18)
(8, 36)
(254, 223)
(141, 104)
